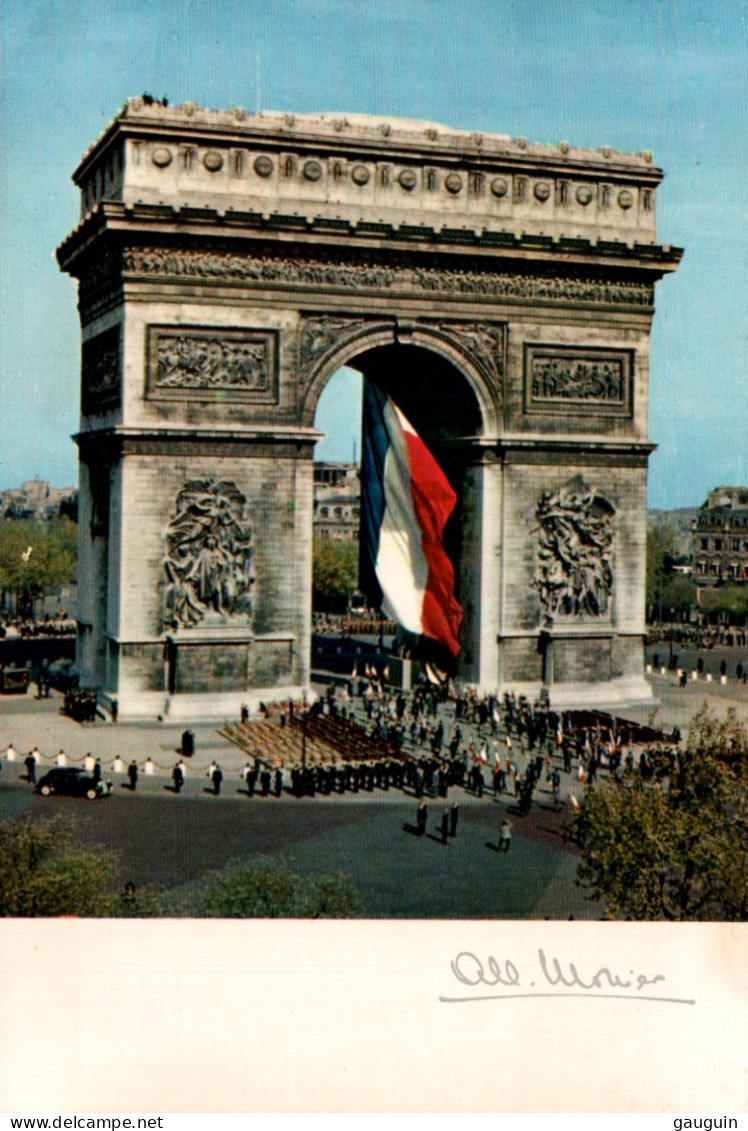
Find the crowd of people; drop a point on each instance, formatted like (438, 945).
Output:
(701, 637)
(80, 704)
(426, 744)
(434, 741)
(29, 628)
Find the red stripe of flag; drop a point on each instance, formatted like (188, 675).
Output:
(433, 502)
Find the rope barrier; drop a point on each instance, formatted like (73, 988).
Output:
(88, 762)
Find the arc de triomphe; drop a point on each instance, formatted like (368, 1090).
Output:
(502, 291)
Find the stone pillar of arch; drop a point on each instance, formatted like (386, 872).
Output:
(229, 264)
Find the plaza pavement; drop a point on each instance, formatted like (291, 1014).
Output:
(26, 721)
(172, 840)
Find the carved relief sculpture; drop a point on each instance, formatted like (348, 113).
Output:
(484, 342)
(562, 379)
(208, 564)
(558, 379)
(100, 376)
(345, 275)
(205, 363)
(320, 336)
(573, 572)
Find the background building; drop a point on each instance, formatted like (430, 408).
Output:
(337, 501)
(676, 529)
(37, 499)
(720, 537)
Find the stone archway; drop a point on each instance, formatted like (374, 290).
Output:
(448, 408)
(474, 350)
(229, 264)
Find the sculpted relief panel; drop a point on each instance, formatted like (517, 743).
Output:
(321, 336)
(484, 343)
(101, 372)
(208, 565)
(211, 364)
(574, 549)
(560, 379)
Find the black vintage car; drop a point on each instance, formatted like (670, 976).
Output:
(72, 782)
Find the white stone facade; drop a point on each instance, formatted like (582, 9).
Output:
(229, 264)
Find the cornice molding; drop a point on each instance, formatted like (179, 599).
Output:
(157, 221)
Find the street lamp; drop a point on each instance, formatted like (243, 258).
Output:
(303, 734)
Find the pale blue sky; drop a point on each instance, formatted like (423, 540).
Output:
(666, 75)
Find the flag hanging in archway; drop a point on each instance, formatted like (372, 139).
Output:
(406, 503)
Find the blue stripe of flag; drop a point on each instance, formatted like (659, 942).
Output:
(374, 446)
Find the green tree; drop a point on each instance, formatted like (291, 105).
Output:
(35, 557)
(730, 599)
(334, 574)
(45, 872)
(131, 903)
(678, 592)
(660, 543)
(676, 847)
(269, 890)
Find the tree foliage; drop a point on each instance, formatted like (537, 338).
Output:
(270, 890)
(36, 556)
(675, 846)
(660, 544)
(731, 599)
(334, 574)
(678, 593)
(45, 872)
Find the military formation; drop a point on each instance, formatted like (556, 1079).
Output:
(427, 745)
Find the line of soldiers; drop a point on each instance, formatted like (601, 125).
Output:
(262, 781)
(348, 777)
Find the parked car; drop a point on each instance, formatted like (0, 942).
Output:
(62, 676)
(72, 782)
(14, 681)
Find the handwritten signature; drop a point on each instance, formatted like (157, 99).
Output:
(564, 979)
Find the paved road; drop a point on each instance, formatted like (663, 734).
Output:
(165, 839)
(169, 839)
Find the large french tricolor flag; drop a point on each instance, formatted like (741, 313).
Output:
(406, 502)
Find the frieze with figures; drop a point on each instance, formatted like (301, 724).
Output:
(371, 275)
(208, 570)
(205, 363)
(101, 372)
(574, 550)
(560, 379)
